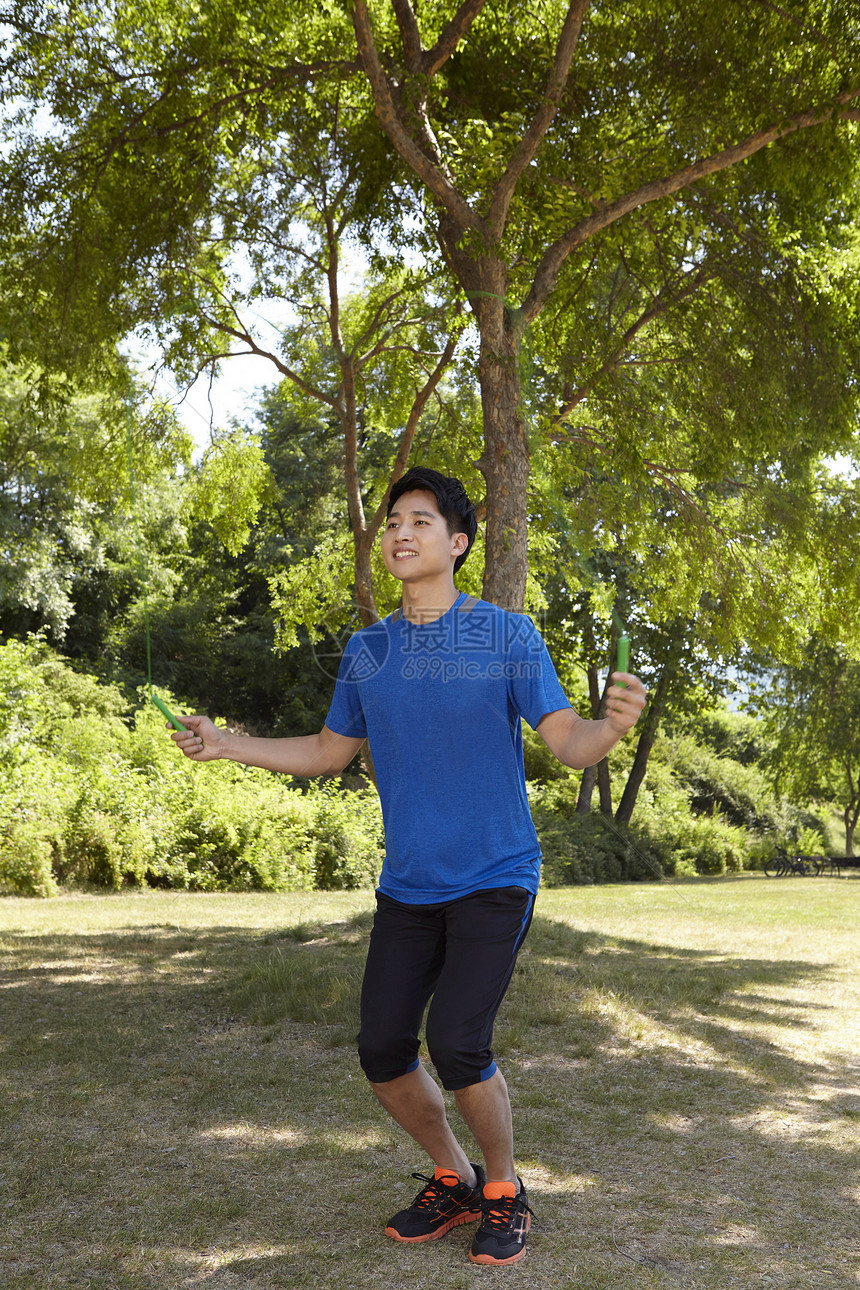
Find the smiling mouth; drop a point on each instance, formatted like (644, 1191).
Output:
(403, 555)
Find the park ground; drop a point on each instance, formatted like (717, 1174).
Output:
(180, 1104)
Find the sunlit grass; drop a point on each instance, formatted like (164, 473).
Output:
(180, 1103)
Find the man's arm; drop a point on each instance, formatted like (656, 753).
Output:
(579, 743)
(306, 755)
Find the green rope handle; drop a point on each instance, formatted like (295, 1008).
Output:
(623, 656)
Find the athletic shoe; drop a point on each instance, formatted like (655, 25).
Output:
(501, 1236)
(444, 1203)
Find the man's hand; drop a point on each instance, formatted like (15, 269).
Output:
(326, 753)
(577, 742)
(201, 740)
(625, 702)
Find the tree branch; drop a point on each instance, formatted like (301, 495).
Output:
(542, 120)
(451, 35)
(383, 308)
(551, 264)
(213, 109)
(662, 303)
(253, 348)
(427, 171)
(409, 34)
(407, 437)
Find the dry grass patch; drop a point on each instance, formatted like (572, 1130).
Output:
(180, 1103)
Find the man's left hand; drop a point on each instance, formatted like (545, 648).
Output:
(625, 702)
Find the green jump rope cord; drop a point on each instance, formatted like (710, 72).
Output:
(153, 697)
(586, 568)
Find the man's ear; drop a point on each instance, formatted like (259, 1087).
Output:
(461, 541)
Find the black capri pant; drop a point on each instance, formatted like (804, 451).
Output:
(463, 954)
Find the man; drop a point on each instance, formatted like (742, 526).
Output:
(439, 688)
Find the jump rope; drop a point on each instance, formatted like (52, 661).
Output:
(589, 575)
(153, 696)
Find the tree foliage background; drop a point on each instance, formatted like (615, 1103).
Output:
(600, 262)
(608, 192)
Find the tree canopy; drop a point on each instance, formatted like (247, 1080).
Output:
(624, 199)
(813, 709)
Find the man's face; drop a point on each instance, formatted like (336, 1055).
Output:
(416, 544)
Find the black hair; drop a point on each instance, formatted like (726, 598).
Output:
(454, 506)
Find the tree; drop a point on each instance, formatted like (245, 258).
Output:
(814, 710)
(210, 611)
(535, 159)
(587, 172)
(765, 559)
(65, 501)
(285, 194)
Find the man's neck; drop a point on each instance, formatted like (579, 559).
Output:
(424, 603)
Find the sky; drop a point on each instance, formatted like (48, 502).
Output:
(236, 390)
(207, 405)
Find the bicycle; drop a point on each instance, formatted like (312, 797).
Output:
(782, 865)
(775, 867)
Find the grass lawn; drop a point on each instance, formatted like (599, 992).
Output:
(180, 1105)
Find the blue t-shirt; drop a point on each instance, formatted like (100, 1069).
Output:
(440, 705)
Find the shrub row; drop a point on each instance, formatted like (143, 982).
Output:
(667, 836)
(90, 793)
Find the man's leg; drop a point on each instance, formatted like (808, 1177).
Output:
(484, 934)
(415, 1101)
(405, 956)
(483, 937)
(486, 1109)
(465, 952)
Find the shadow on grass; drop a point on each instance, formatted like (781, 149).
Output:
(185, 1108)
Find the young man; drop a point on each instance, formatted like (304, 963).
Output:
(439, 688)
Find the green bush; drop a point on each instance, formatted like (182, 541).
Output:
(663, 839)
(27, 853)
(742, 793)
(349, 839)
(688, 844)
(810, 842)
(732, 735)
(281, 852)
(94, 793)
(540, 764)
(587, 848)
(759, 851)
(107, 800)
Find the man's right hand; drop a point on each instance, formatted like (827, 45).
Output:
(201, 740)
(307, 755)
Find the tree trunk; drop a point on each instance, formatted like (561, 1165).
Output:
(364, 597)
(598, 774)
(644, 745)
(598, 708)
(850, 816)
(589, 775)
(604, 787)
(504, 460)
(586, 789)
(504, 464)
